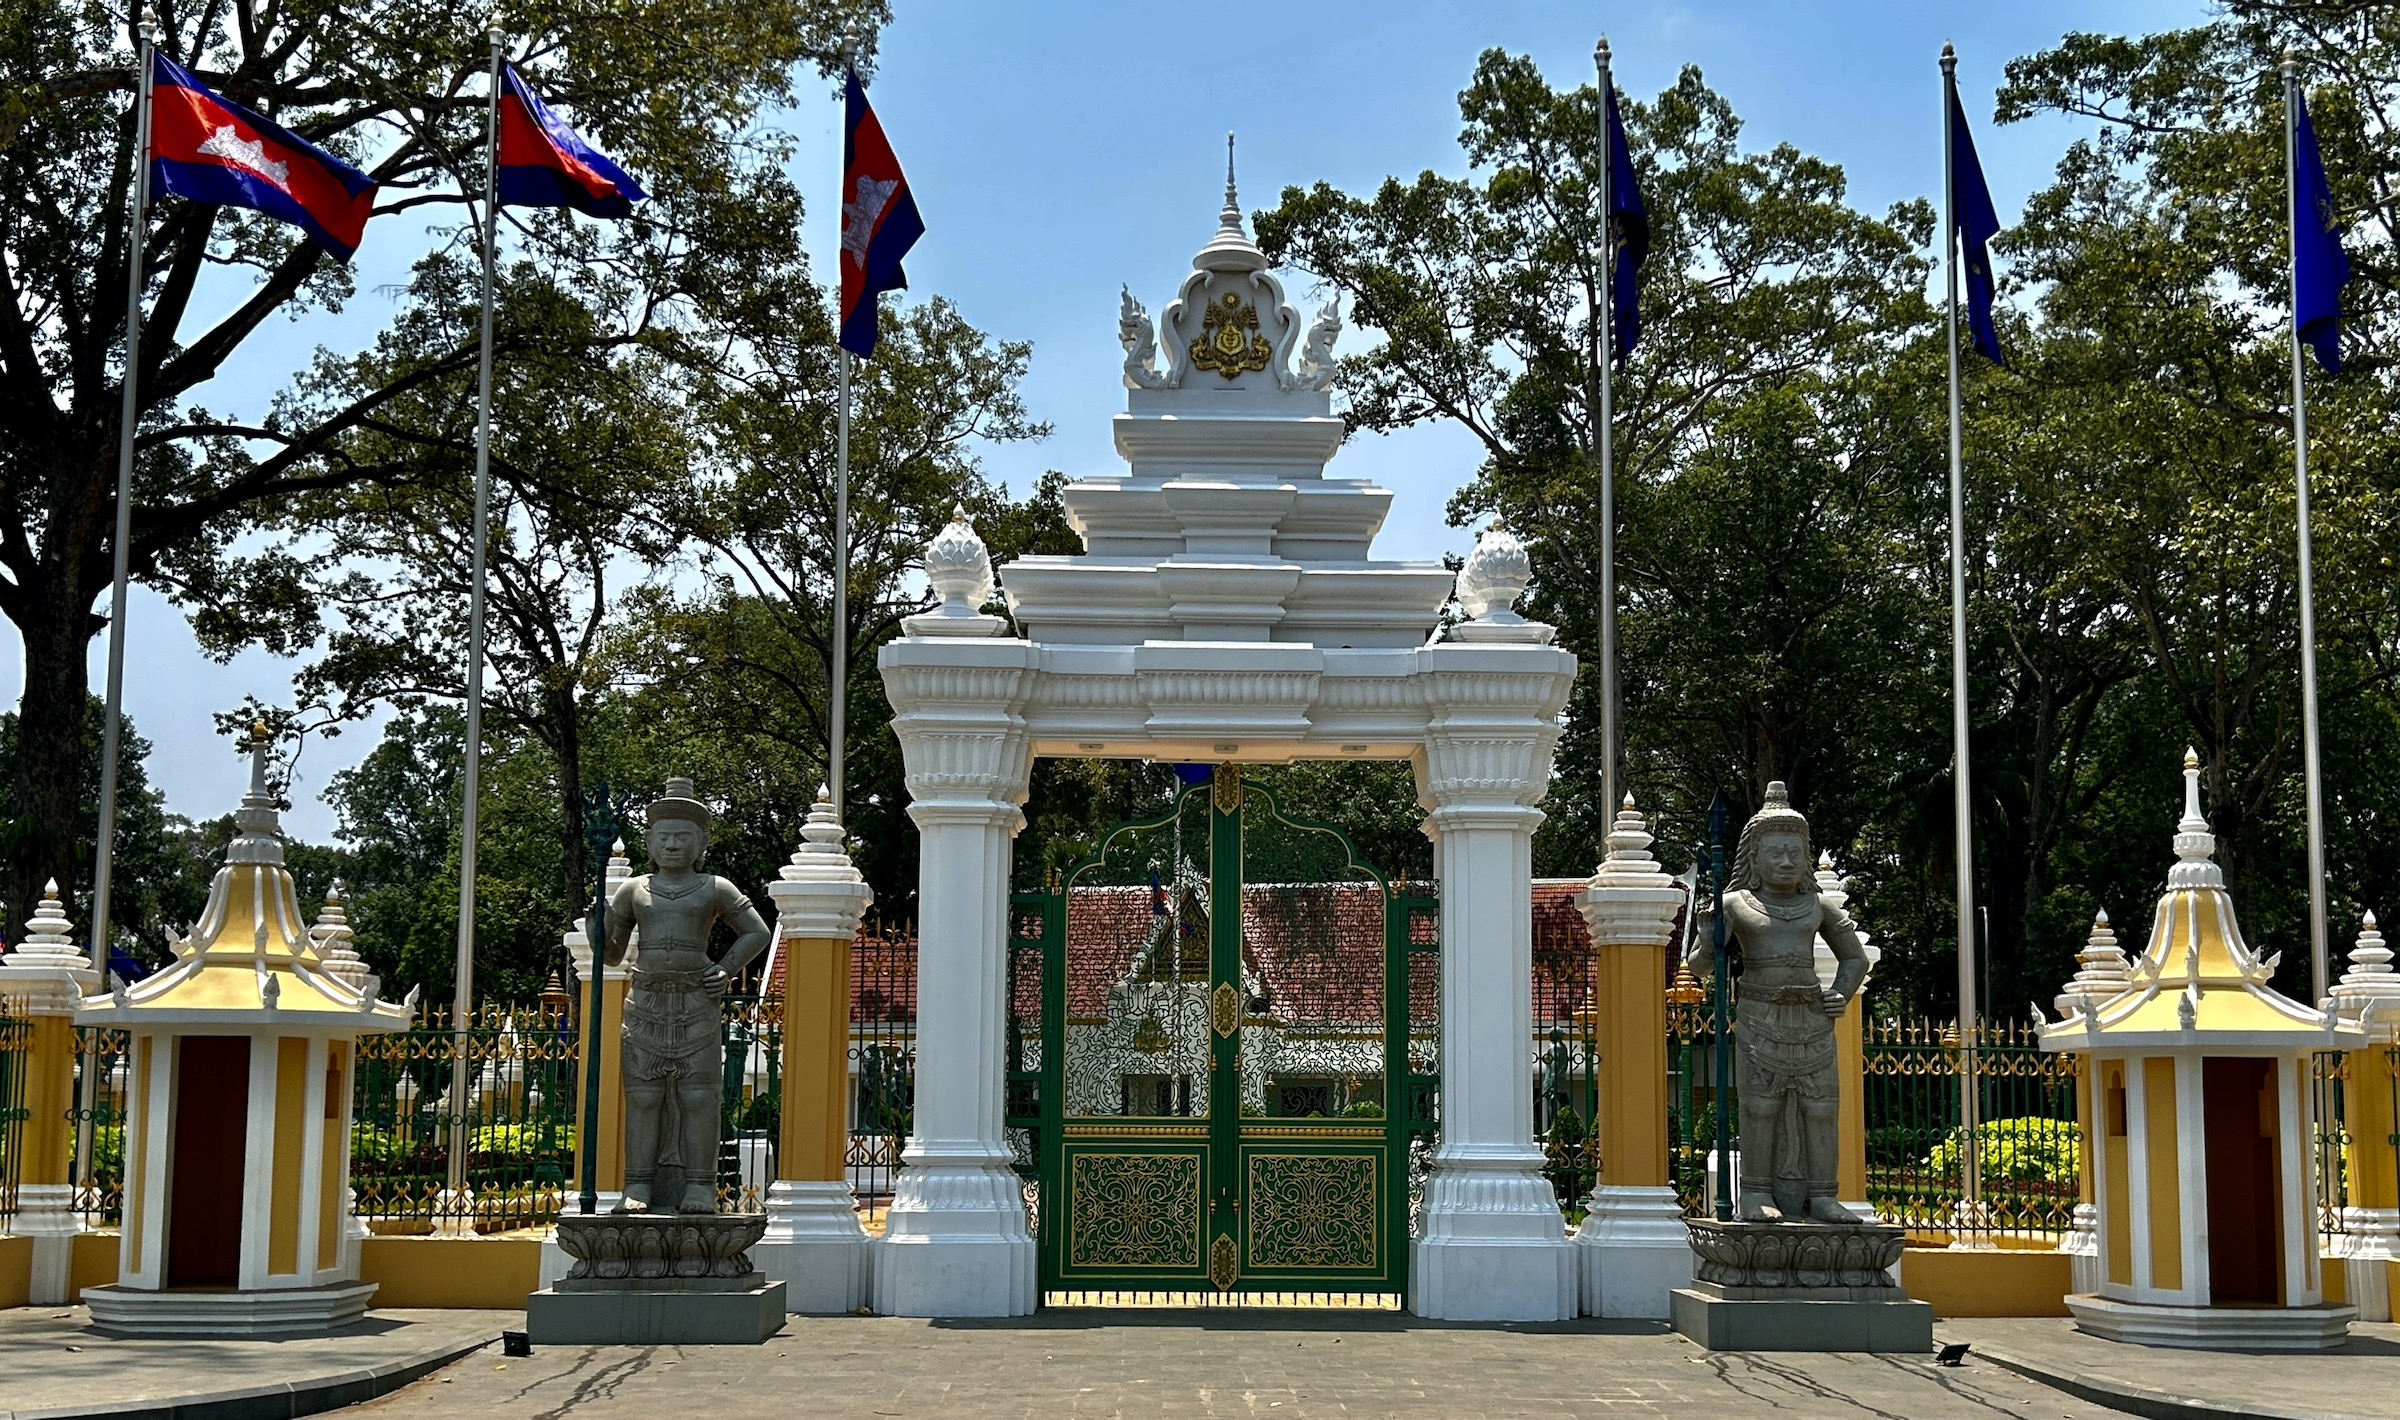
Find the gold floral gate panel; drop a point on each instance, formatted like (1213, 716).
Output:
(1230, 1111)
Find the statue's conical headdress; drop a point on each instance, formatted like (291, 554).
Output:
(1776, 815)
(681, 805)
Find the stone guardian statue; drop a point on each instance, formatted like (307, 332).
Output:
(1789, 1084)
(673, 1042)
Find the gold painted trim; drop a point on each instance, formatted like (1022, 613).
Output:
(1370, 1135)
(1225, 789)
(1224, 1263)
(1133, 1131)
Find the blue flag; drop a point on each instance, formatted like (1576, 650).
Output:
(879, 221)
(2320, 267)
(1628, 234)
(1976, 223)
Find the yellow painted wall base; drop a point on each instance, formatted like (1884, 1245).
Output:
(2336, 1274)
(16, 1271)
(94, 1261)
(1988, 1283)
(489, 1273)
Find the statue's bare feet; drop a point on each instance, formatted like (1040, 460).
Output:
(698, 1198)
(1758, 1207)
(1825, 1210)
(636, 1199)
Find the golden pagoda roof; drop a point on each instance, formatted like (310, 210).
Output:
(2197, 983)
(250, 963)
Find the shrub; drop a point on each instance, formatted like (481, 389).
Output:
(2018, 1150)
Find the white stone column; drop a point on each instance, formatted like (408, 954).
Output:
(956, 1241)
(814, 1242)
(2369, 1245)
(1492, 1245)
(1632, 1249)
(44, 976)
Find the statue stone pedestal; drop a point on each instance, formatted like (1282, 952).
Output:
(1799, 1287)
(643, 1279)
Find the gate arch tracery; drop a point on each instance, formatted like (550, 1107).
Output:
(1245, 1016)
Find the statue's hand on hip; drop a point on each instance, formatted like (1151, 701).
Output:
(1835, 1002)
(713, 980)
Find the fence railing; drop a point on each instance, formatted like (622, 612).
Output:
(16, 1049)
(98, 1114)
(2028, 1144)
(517, 1121)
(749, 1133)
(883, 1058)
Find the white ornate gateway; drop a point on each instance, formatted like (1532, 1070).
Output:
(1226, 610)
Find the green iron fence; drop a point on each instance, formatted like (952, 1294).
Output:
(16, 1049)
(1566, 1056)
(2028, 1145)
(883, 1055)
(517, 1120)
(748, 1134)
(99, 1118)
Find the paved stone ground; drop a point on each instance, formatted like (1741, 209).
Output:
(52, 1363)
(2361, 1380)
(1224, 1364)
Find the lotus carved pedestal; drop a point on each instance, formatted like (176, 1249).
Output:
(658, 1278)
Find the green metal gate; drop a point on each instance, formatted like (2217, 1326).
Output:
(1234, 1053)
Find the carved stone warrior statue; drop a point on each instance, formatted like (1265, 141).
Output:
(1789, 1084)
(673, 1042)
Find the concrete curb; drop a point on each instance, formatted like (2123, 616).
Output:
(2142, 1401)
(281, 1400)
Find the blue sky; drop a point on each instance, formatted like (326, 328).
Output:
(1060, 149)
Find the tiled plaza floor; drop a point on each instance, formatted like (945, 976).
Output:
(1285, 1366)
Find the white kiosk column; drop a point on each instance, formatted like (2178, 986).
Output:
(956, 1241)
(1492, 1245)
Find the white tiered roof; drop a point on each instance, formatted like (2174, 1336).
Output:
(1225, 526)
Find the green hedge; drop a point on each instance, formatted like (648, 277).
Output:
(2017, 1150)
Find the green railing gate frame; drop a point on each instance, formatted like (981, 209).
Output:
(1036, 1097)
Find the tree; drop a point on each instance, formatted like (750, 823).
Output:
(674, 90)
(1759, 476)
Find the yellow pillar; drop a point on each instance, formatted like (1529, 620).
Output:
(1850, 1054)
(608, 1027)
(41, 981)
(1631, 1006)
(2369, 994)
(816, 1060)
(815, 1244)
(2373, 1126)
(1631, 1249)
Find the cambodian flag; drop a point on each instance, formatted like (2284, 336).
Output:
(879, 221)
(544, 163)
(204, 147)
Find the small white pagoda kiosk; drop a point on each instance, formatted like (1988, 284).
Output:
(2195, 1096)
(237, 1154)
(1226, 610)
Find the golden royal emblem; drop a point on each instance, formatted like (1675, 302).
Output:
(1229, 341)
(1225, 1009)
(1224, 1263)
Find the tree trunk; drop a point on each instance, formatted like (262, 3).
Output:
(48, 831)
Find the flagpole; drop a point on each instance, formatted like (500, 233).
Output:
(1962, 804)
(463, 994)
(1609, 776)
(2320, 980)
(112, 732)
(836, 758)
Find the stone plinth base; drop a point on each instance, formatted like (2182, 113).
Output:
(658, 1279)
(1812, 1255)
(955, 1243)
(622, 1316)
(1632, 1252)
(288, 1311)
(1492, 1279)
(2318, 1328)
(1880, 1320)
(815, 1247)
(1799, 1287)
